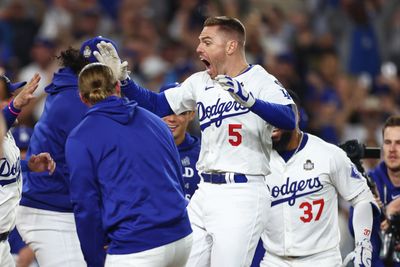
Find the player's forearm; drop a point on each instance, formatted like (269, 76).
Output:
(279, 116)
(363, 220)
(156, 103)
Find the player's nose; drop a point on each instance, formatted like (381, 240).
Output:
(199, 49)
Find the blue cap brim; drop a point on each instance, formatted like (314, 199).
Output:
(15, 86)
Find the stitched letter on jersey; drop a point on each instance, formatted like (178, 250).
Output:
(289, 191)
(216, 113)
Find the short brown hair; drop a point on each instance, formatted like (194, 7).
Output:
(230, 25)
(96, 82)
(392, 121)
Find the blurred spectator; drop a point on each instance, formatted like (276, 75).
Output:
(23, 27)
(22, 135)
(278, 31)
(363, 51)
(43, 56)
(57, 21)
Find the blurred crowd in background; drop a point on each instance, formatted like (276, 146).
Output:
(342, 57)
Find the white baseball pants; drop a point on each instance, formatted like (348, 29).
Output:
(227, 222)
(51, 235)
(174, 254)
(329, 258)
(6, 259)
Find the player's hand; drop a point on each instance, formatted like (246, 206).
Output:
(236, 90)
(108, 55)
(26, 94)
(361, 256)
(42, 162)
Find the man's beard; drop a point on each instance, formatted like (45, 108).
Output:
(394, 169)
(281, 144)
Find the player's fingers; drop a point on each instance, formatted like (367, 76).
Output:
(113, 51)
(52, 167)
(348, 258)
(98, 56)
(124, 64)
(101, 48)
(34, 80)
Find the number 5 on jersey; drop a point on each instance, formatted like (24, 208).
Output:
(235, 138)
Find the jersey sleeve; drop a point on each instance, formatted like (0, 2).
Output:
(349, 182)
(183, 98)
(274, 92)
(85, 200)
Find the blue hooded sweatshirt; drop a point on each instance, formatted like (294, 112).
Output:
(62, 112)
(189, 151)
(126, 181)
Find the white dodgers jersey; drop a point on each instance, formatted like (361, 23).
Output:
(234, 139)
(10, 183)
(303, 218)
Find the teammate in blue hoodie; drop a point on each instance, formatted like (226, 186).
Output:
(126, 180)
(188, 146)
(45, 217)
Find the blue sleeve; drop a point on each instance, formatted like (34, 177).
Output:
(24, 165)
(153, 102)
(86, 201)
(279, 116)
(10, 114)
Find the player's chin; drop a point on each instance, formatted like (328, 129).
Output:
(276, 134)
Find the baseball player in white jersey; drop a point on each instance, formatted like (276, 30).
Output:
(307, 175)
(229, 210)
(10, 172)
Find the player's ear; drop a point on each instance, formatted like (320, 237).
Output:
(191, 115)
(231, 47)
(118, 88)
(84, 100)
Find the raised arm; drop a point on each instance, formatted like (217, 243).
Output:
(156, 103)
(12, 110)
(280, 116)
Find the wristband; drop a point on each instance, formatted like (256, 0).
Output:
(125, 82)
(13, 109)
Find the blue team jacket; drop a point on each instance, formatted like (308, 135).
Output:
(62, 112)
(189, 151)
(125, 181)
(382, 180)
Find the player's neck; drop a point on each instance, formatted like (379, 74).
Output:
(234, 70)
(394, 177)
(295, 140)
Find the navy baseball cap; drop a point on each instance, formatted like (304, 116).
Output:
(89, 46)
(22, 136)
(11, 87)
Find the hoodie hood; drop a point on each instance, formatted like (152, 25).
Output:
(189, 142)
(64, 79)
(116, 108)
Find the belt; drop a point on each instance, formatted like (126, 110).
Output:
(224, 178)
(6, 182)
(4, 236)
